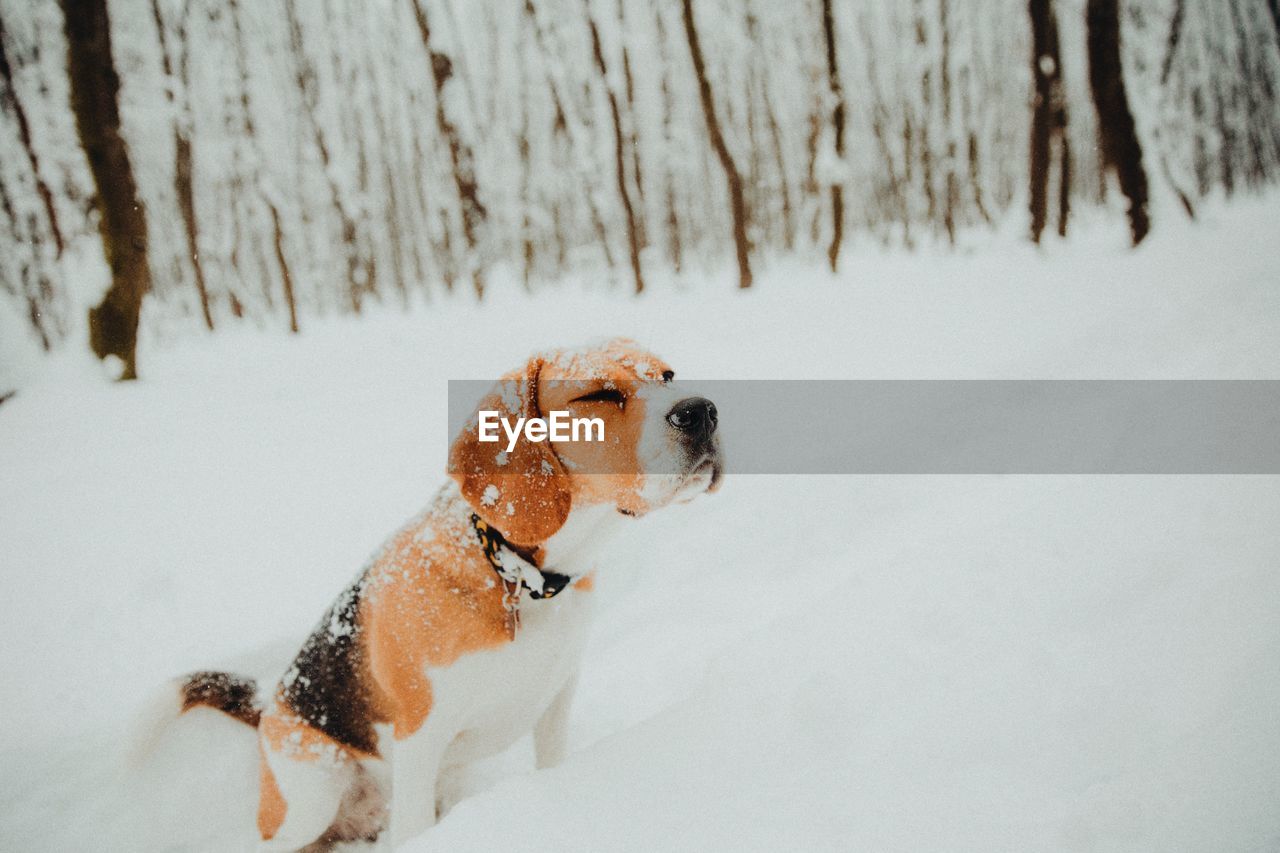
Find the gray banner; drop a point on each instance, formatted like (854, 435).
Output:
(981, 426)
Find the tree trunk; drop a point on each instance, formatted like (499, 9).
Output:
(183, 166)
(464, 177)
(285, 276)
(837, 120)
(1048, 120)
(737, 203)
(95, 86)
(360, 268)
(675, 246)
(951, 200)
(10, 94)
(1117, 132)
(182, 186)
(619, 156)
(566, 128)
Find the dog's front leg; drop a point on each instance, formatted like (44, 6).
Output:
(415, 766)
(551, 733)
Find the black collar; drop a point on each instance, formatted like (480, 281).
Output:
(492, 541)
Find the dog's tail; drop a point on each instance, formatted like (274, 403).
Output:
(234, 695)
(191, 757)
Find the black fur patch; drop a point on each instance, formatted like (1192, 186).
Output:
(231, 694)
(326, 685)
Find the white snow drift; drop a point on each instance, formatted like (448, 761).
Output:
(825, 663)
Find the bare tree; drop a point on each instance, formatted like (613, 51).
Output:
(464, 177)
(95, 87)
(1048, 119)
(360, 266)
(286, 276)
(1118, 135)
(183, 164)
(733, 178)
(573, 133)
(619, 153)
(295, 149)
(674, 243)
(21, 271)
(9, 94)
(837, 121)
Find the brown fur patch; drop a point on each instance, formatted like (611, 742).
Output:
(614, 463)
(524, 493)
(429, 599)
(284, 731)
(271, 804)
(231, 694)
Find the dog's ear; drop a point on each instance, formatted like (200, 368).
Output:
(525, 493)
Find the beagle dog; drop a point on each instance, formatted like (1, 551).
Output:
(465, 631)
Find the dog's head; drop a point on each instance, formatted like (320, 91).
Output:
(659, 447)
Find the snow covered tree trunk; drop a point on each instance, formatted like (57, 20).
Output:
(837, 121)
(95, 86)
(1048, 120)
(36, 282)
(473, 212)
(733, 177)
(183, 166)
(301, 157)
(1118, 136)
(619, 153)
(12, 102)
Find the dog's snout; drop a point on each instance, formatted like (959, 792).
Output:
(695, 415)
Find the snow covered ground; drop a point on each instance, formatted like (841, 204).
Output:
(811, 663)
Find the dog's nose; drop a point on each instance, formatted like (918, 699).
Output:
(695, 415)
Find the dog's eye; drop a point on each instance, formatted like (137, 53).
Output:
(604, 395)
(668, 375)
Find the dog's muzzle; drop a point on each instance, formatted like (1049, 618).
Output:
(695, 417)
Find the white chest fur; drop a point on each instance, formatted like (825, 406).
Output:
(487, 700)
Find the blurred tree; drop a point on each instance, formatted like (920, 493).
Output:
(837, 122)
(619, 155)
(295, 158)
(34, 240)
(733, 177)
(95, 87)
(1048, 120)
(472, 210)
(1118, 136)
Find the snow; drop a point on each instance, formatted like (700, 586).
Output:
(821, 663)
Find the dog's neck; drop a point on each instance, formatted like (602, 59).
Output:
(576, 545)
